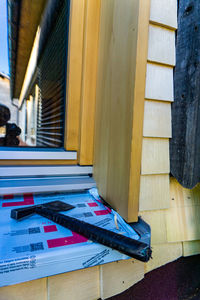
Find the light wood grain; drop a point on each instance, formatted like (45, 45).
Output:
(74, 74)
(183, 224)
(163, 254)
(89, 80)
(191, 248)
(33, 290)
(123, 68)
(118, 53)
(138, 110)
(182, 197)
(102, 115)
(120, 103)
(154, 192)
(156, 219)
(159, 82)
(119, 276)
(164, 12)
(155, 156)
(161, 45)
(157, 119)
(184, 213)
(80, 285)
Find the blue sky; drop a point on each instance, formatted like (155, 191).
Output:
(3, 38)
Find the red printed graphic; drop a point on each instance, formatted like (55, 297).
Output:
(50, 228)
(99, 200)
(102, 212)
(28, 200)
(109, 210)
(8, 197)
(74, 239)
(92, 204)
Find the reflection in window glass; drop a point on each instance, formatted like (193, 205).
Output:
(40, 115)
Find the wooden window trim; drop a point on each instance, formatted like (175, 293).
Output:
(82, 78)
(120, 103)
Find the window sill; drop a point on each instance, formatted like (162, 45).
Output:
(36, 154)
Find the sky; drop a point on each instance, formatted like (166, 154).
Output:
(3, 38)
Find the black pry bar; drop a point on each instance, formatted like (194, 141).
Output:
(123, 244)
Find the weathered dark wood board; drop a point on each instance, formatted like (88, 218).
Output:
(185, 144)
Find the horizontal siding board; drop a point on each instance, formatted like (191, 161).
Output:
(157, 119)
(191, 248)
(119, 276)
(33, 290)
(154, 192)
(161, 45)
(182, 197)
(164, 12)
(163, 254)
(156, 220)
(183, 224)
(185, 213)
(159, 82)
(81, 284)
(155, 156)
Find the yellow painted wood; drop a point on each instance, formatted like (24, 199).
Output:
(164, 12)
(155, 156)
(182, 197)
(37, 162)
(119, 276)
(80, 285)
(138, 110)
(157, 119)
(121, 93)
(89, 80)
(154, 192)
(120, 103)
(113, 115)
(191, 248)
(183, 217)
(156, 219)
(161, 45)
(33, 290)
(102, 115)
(183, 224)
(163, 254)
(159, 82)
(74, 74)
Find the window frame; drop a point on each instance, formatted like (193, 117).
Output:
(19, 154)
(36, 154)
(81, 99)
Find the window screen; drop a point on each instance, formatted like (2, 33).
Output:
(51, 79)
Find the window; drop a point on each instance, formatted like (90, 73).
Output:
(41, 105)
(81, 76)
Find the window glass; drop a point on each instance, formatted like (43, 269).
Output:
(38, 121)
